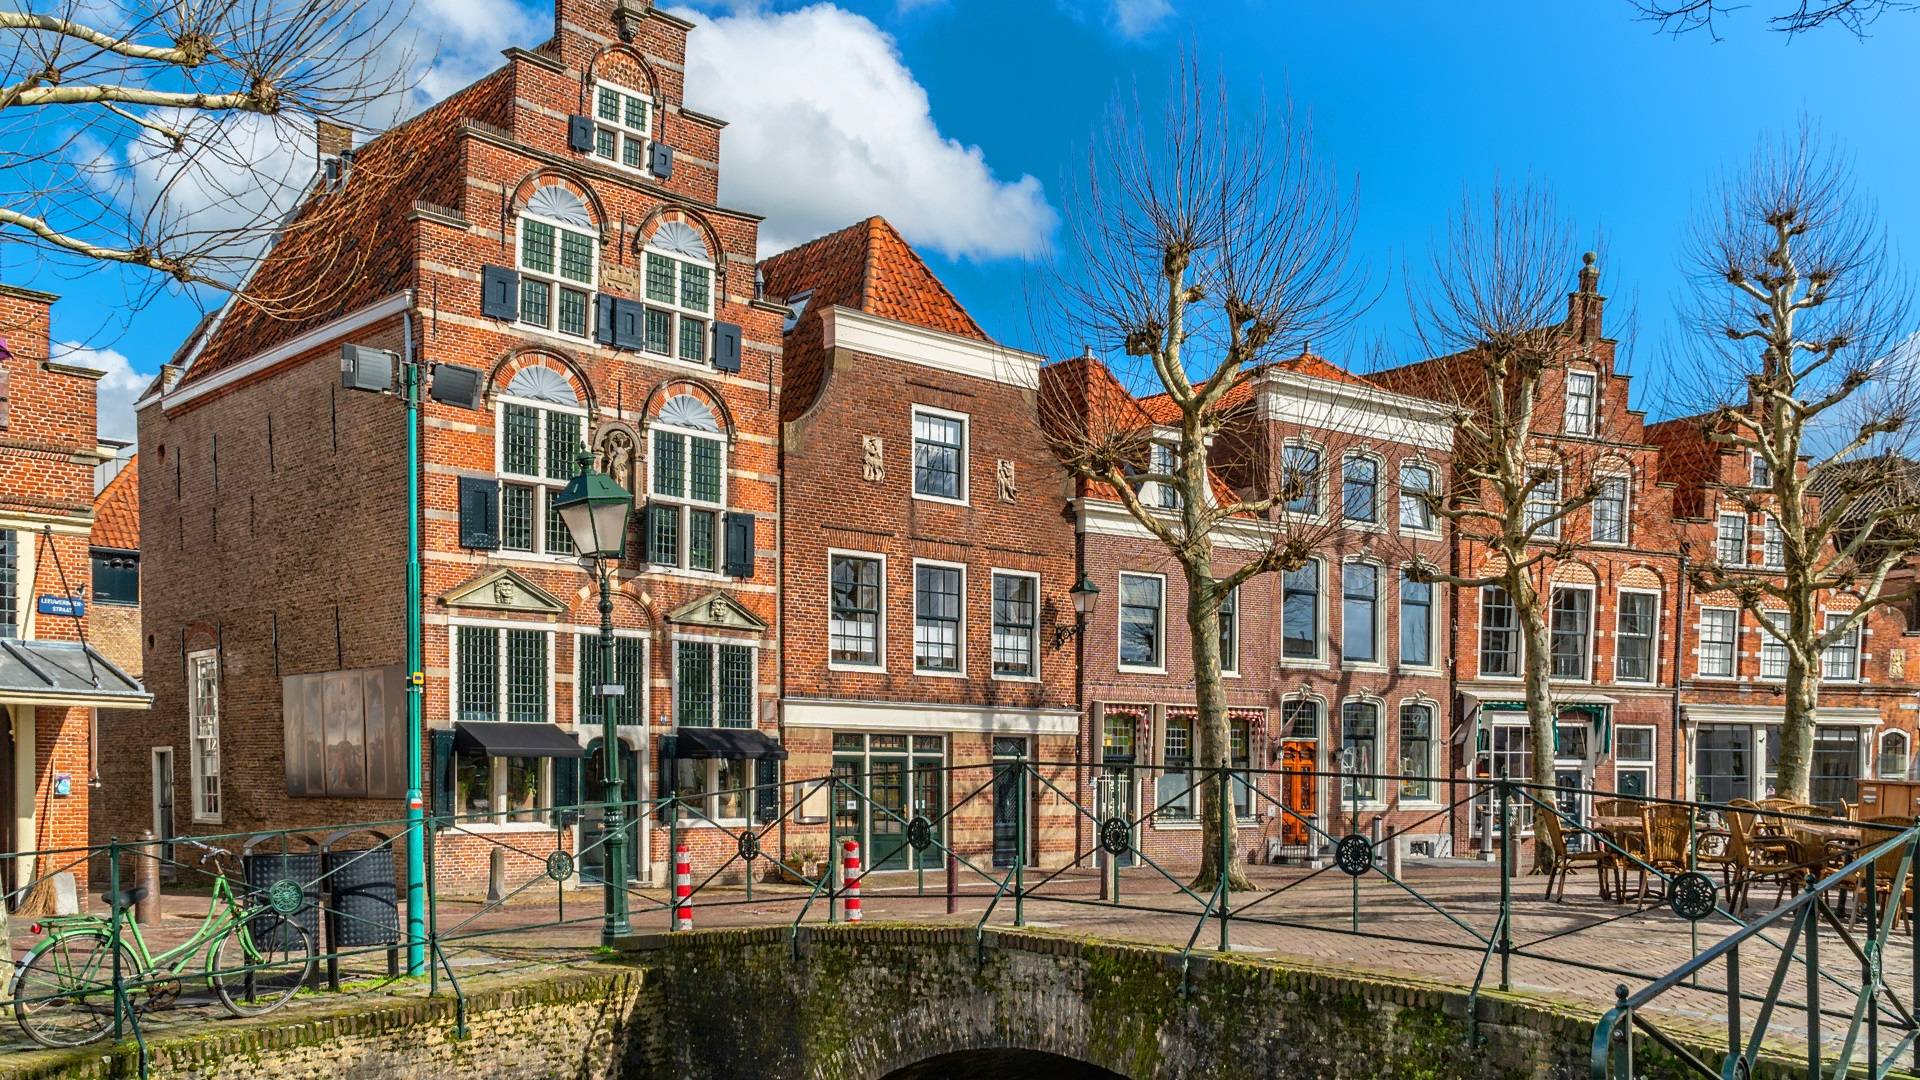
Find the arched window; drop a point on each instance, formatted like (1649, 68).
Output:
(1893, 755)
(687, 485)
(538, 420)
(679, 289)
(558, 262)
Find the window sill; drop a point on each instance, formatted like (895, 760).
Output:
(1371, 666)
(715, 823)
(1301, 662)
(501, 828)
(1363, 526)
(575, 340)
(1411, 533)
(538, 558)
(1015, 678)
(943, 500)
(1126, 669)
(663, 569)
(940, 674)
(869, 669)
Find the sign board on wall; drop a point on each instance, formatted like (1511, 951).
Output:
(346, 733)
(70, 606)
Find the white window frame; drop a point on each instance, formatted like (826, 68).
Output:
(1733, 644)
(713, 643)
(880, 619)
(1436, 736)
(1653, 642)
(1230, 665)
(554, 280)
(993, 574)
(961, 631)
(1378, 522)
(1721, 536)
(203, 734)
(1626, 511)
(544, 487)
(1880, 754)
(622, 132)
(1554, 517)
(1756, 466)
(1433, 625)
(966, 454)
(1593, 616)
(1159, 666)
(1380, 580)
(675, 309)
(1648, 764)
(1319, 486)
(1321, 619)
(1854, 639)
(1432, 526)
(1156, 495)
(501, 674)
(1773, 543)
(1772, 647)
(1590, 422)
(686, 505)
(1480, 641)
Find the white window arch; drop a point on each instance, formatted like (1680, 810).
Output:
(679, 288)
(622, 125)
(556, 250)
(1895, 753)
(687, 486)
(538, 426)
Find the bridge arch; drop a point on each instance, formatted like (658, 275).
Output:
(1001, 1064)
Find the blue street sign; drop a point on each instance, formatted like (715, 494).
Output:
(63, 605)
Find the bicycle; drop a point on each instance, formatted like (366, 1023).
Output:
(256, 959)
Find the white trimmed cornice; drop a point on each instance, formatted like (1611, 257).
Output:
(846, 328)
(925, 716)
(377, 311)
(1353, 409)
(1105, 517)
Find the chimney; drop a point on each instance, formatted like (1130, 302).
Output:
(1586, 307)
(330, 140)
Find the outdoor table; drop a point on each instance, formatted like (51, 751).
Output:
(1811, 840)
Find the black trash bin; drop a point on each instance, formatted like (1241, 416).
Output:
(363, 908)
(262, 869)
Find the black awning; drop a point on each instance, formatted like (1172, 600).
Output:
(507, 738)
(707, 742)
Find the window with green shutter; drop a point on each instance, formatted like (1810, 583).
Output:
(540, 444)
(622, 126)
(516, 517)
(680, 303)
(687, 490)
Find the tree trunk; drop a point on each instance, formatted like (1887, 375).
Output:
(1215, 737)
(1795, 779)
(1541, 716)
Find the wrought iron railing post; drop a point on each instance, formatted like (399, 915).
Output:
(113, 898)
(1733, 1001)
(1505, 790)
(1226, 855)
(1020, 844)
(1623, 1064)
(1812, 932)
(833, 850)
(1870, 960)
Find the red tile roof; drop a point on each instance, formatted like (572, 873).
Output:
(867, 266)
(116, 510)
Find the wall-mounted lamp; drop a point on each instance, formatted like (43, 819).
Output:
(1086, 597)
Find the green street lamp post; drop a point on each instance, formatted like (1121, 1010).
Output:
(595, 511)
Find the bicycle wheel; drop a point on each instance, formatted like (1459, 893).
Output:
(261, 963)
(63, 994)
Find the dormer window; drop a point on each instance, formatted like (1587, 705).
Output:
(622, 126)
(558, 265)
(1162, 460)
(679, 287)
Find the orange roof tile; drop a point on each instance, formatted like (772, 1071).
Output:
(116, 510)
(867, 266)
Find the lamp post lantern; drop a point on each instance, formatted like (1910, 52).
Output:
(595, 511)
(1086, 597)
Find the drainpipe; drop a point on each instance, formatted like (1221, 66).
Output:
(1679, 646)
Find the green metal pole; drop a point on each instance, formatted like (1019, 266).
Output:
(416, 673)
(1020, 845)
(1226, 854)
(1506, 879)
(616, 884)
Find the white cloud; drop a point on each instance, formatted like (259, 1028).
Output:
(826, 126)
(1138, 18)
(117, 390)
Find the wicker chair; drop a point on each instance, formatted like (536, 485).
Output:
(1562, 863)
(1754, 856)
(1885, 868)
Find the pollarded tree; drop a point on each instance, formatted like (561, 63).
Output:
(1495, 305)
(1199, 249)
(176, 137)
(1802, 318)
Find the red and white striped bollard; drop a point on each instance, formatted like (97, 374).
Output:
(682, 889)
(852, 873)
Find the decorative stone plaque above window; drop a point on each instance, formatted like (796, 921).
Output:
(873, 458)
(1003, 475)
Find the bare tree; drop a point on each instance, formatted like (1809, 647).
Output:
(1687, 16)
(1494, 306)
(177, 137)
(1802, 316)
(1198, 249)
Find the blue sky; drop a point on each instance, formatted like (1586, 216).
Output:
(964, 121)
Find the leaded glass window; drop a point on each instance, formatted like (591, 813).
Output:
(622, 126)
(558, 271)
(688, 487)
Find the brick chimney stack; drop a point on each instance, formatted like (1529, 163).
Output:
(330, 140)
(1586, 307)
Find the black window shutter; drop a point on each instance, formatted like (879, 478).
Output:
(500, 292)
(739, 531)
(605, 307)
(443, 775)
(629, 323)
(479, 512)
(580, 133)
(643, 520)
(726, 346)
(660, 161)
(566, 790)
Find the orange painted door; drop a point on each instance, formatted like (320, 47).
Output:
(1299, 788)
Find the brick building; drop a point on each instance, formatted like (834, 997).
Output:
(113, 623)
(1338, 666)
(926, 559)
(1610, 579)
(51, 679)
(1733, 672)
(553, 225)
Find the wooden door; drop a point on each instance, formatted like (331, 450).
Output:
(1299, 788)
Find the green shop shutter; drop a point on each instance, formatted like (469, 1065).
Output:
(740, 541)
(629, 325)
(660, 161)
(479, 513)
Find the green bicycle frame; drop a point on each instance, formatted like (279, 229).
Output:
(224, 914)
